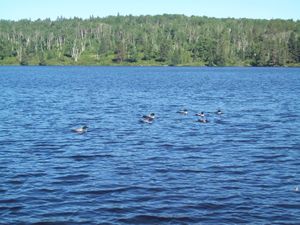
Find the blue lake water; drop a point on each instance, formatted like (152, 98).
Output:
(243, 167)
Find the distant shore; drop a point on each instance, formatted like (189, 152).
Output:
(150, 65)
(163, 40)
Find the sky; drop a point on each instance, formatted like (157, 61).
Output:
(257, 9)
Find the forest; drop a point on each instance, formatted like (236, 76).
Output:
(174, 40)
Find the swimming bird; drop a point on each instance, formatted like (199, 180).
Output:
(80, 130)
(148, 118)
(202, 120)
(200, 114)
(183, 111)
(219, 112)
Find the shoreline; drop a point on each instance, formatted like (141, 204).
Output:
(126, 65)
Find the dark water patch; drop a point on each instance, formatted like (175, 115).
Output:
(210, 206)
(57, 221)
(144, 198)
(231, 187)
(246, 140)
(187, 148)
(279, 158)
(278, 148)
(91, 157)
(184, 171)
(224, 169)
(235, 220)
(167, 146)
(60, 167)
(295, 162)
(8, 201)
(125, 170)
(285, 223)
(289, 206)
(72, 177)
(65, 214)
(116, 210)
(154, 219)
(10, 208)
(29, 174)
(46, 190)
(157, 158)
(7, 142)
(102, 191)
(16, 182)
(117, 190)
(267, 161)
(48, 147)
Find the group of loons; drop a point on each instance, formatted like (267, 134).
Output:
(150, 118)
(202, 117)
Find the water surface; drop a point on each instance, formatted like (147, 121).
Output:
(240, 168)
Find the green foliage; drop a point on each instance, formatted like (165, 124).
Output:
(42, 61)
(4, 50)
(150, 40)
(294, 47)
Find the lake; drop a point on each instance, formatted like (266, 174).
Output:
(242, 167)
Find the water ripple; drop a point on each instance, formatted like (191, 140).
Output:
(240, 168)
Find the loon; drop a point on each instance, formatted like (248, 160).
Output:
(183, 112)
(80, 130)
(219, 112)
(200, 114)
(202, 120)
(148, 118)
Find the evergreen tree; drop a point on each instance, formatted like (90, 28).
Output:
(163, 39)
(294, 48)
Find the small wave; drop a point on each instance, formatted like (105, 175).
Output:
(7, 142)
(278, 148)
(12, 208)
(54, 223)
(45, 146)
(185, 171)
(16, 182)
(232, 187)
(156, 158)
(269, 157)
(72, 177)
(210, 206)
(288, 206)
(187, 148)
(8, 201)
(153, 219)
(46, 190)
(103, 191)
(166, 146)
(116, 209)
(58, 214)
(90, 157)
(27, 175)
(117, 190)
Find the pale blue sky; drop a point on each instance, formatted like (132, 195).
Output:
(263, 9)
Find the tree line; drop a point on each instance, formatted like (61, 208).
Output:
(150, 40)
